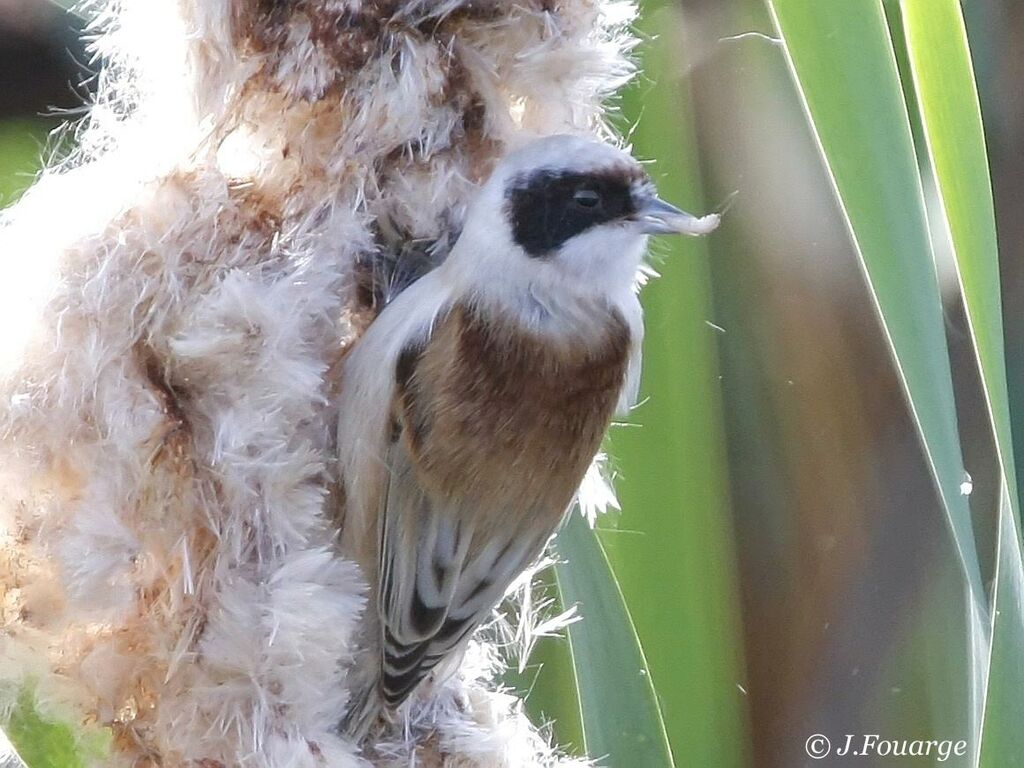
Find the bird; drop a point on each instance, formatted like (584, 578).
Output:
(476, 400)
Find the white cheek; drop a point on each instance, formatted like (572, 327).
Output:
(605, 259)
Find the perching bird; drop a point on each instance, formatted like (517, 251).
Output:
(473, 405)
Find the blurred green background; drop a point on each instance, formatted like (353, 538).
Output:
(781, 547)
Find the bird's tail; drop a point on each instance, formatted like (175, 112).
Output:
(363, 712)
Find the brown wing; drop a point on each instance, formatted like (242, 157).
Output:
(492, 434)
(440, 578)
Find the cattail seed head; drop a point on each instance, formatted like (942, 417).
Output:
(178, 296)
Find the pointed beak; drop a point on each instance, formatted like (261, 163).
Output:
(656, 217)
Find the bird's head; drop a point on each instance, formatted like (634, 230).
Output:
(566, 211)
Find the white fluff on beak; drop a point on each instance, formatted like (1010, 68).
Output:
(660, 218)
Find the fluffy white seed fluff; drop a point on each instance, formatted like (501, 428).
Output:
(176, 298)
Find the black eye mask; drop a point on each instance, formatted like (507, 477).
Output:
(547, 208)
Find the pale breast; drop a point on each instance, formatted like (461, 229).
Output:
(497, 414)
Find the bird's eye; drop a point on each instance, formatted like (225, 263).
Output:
(586, 198)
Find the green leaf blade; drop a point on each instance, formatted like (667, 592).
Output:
(842, 59)
(951, 115)
(673, 547)
(622, 722)
(1001, 735)
(943, 75)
